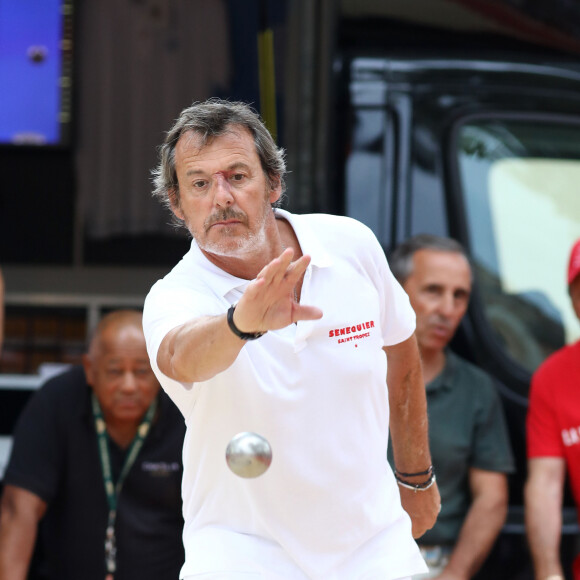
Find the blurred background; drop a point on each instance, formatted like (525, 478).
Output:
(453, 117)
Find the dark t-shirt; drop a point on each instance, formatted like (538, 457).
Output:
(467, 429)
(55, 456)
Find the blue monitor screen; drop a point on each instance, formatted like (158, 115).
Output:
(35, 63)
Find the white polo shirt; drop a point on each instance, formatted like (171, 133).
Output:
(328, 507)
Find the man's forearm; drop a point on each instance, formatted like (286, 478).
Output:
(544, 526)
(408, 408)
(203, 347)
(17, 538)
(409, 432)
(199, 350)
(12, 566)
(480, 529)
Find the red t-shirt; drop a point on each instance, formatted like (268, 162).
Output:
(553, 421)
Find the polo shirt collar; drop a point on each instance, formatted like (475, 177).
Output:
(444, 380)
(307, 239)
(222, 282)
(225, 283)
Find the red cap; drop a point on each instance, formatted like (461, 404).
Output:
(574, 265)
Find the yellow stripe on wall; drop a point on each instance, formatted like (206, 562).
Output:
(267, 80)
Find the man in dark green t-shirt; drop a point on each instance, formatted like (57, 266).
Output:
(467, 432)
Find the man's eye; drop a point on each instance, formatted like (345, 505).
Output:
(238, 177)
(199, 184)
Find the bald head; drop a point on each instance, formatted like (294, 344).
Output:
(113, 324)
(117, 367)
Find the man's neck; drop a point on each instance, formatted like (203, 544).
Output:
(279, 236)
(248, 264)
(433, 364)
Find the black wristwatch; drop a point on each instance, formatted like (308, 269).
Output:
(237, 331)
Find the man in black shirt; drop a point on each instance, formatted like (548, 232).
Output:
(95, 471)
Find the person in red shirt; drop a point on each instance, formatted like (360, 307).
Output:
(553, 439)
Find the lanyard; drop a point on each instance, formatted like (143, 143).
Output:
(112, 490)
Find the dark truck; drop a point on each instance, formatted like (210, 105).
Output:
(486, 150)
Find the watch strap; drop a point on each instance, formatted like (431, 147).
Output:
(236, 330)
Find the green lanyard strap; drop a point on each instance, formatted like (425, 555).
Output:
(111, 489)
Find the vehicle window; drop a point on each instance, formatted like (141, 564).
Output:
(368, 166)
(520, 182)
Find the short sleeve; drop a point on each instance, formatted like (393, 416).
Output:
(397, 314)
(542, 428)
(37, 455)
(164, 310)
(167, 306)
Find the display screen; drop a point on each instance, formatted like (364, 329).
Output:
(35, 72)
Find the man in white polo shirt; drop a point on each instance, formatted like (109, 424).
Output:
(236, 342)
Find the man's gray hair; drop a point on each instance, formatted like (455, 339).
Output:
(401, 259)
(208, 120)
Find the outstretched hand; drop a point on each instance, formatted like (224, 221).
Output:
(268, 303)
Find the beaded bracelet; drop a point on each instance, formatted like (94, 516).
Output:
(418, 486)
(426, 472)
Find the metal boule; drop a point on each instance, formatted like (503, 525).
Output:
(248, 454)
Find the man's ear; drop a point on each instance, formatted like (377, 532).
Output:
(275, 189)
(89, 370)
(173, 195)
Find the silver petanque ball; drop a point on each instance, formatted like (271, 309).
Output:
(248, 454)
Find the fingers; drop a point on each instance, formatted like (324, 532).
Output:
(268, 302)
(281, 266)
(282, 272)
(301, 312)
(296, 269)
(277, 267)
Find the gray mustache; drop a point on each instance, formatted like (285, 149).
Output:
(225, 214)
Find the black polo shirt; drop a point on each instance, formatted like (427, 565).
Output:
(55, 456)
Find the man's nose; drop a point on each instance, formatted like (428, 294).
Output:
(222, 191)
(447, 305)
(128, 382)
